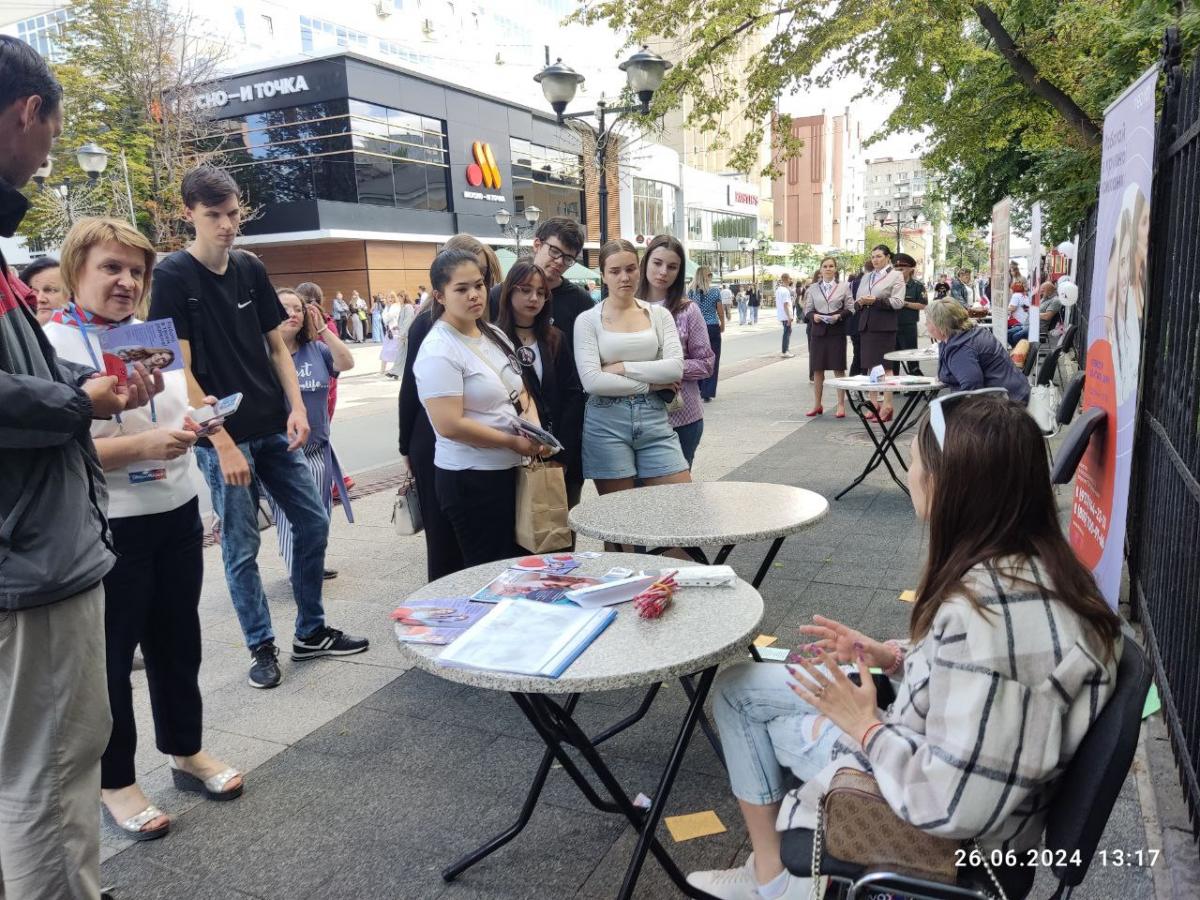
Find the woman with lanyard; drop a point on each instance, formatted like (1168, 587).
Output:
(443, 556)
(827, 306)
(152, 593)
(708, 299)
(548, 363)
(630, 363)
(662, 283)
(470, 383)
(320, 357)
(879, 300)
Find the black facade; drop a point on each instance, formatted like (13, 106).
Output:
(353, 144)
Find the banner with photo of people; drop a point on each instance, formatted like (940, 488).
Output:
(1118, 299)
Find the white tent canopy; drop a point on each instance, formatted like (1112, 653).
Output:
(763, 273)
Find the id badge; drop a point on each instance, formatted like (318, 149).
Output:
(149, 471)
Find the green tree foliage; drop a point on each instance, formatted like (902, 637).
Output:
(1011, 92)
(130, 71)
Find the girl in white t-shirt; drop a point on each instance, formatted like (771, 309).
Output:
(469, 381)
(152, 593)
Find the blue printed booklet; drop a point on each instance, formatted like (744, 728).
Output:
(153, 344)
(436, 621)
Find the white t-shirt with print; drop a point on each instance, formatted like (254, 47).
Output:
(783, 298)
(449, 365)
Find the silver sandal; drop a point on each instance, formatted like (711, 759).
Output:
(134, 826)
(213, 788)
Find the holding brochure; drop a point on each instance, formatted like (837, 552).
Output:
(535, 433)
(527, 638)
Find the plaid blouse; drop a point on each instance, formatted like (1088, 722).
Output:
(989, 712)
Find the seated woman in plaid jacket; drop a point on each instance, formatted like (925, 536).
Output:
(1012, 653)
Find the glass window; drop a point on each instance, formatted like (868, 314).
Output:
(653, 207)
(410, 185)
(317, 34)
(42, 32)
(374, 177)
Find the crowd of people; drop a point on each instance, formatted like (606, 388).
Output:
(102, 539)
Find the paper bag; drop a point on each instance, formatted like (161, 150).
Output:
(542, 509)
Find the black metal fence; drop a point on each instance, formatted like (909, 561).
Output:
(1164, 514)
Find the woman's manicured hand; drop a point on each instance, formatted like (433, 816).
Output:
(823, 685)
(843, 643)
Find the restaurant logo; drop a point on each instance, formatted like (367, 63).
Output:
(735, 197)
(484, 170)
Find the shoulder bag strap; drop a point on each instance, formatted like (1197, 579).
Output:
(513, 397)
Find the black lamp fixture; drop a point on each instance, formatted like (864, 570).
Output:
(517, 229)
(644, 73)
(92, 160)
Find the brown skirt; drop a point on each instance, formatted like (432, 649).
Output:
(827, 352)
(872, 345)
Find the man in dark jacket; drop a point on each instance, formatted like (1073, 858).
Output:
(54, 549)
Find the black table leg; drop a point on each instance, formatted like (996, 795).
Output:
(724, 555)
(535, 790)
(631, 719)
(706, 726)
(767, 560)
(885, 444)
(859, 402)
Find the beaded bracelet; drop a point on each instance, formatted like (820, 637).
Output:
(898, 661)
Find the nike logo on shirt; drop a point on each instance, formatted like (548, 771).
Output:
(244, 305)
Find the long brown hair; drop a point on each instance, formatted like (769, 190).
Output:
(525, 271)
(305, 334)
(1011, 512)
(676, 294)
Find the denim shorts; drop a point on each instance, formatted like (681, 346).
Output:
(628, 437)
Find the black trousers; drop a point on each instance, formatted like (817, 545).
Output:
(855, 363)
(151, 597)
(482, 507)
(708, 386)
(906, 339)
(442, 554)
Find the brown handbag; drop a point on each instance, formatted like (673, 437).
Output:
(856, 825)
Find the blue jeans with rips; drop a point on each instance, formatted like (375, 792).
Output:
(287, 478)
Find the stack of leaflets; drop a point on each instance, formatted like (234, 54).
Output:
(153, 344)
(542, 586)
(527, 638)
(556, 563)
(535, 433)
(437, 621)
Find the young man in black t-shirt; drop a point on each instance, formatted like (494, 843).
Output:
(227, 315)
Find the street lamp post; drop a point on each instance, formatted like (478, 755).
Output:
(92, 159)
(516, 229)
(754, 245)
(644, 73)
(913, 216)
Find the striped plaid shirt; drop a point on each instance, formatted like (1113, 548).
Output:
(990, 710)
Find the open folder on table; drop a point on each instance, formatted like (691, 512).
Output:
(527, 638)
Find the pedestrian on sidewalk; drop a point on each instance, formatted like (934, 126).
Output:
(753, 300)
(443, 555)
(708, 298)
(358, 317)
(319, 357)
(402, 315)
(662, 281)
(915, 300)
(311, 293)
(227, 316)
(341, 315)
(827, 305)
(783, 311)
(743, 301)
(727, 301)
(852, 322)
(377, 307)
(153, 590)
(970, 357)
(470, 383)
(548, 364)
(989, 706)
(54, 712)
(879, 299)
(630, 364)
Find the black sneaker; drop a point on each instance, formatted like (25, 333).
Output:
(329, 574)
(264, 671)
(326, 641)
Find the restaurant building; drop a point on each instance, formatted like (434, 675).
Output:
(356, 171)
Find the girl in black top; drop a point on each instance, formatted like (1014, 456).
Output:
(549, 363)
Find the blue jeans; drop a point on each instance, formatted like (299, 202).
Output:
(287, 478)
(689, 439)
(787, 335)
(766, 729)
(1016, 334)
(743, 312)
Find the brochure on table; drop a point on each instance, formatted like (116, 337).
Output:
(528, 638)
(436, 622)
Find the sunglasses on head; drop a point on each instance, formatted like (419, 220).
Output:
(937, 410)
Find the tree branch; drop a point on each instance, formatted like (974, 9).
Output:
(1027, 74)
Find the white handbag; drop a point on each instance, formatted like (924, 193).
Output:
(1044, 400)
(406, 510)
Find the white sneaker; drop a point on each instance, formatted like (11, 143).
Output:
(728, 884)
(802, 889)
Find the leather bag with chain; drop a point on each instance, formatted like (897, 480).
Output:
(541, 525)
(857, 826)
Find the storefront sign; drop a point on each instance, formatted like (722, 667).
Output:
(257, 90)
(1001, 221)
(479, 195)
(734, 197)
(1119, 285)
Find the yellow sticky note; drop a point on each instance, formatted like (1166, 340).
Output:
(694, 825)
(908, 596)
(765, 640)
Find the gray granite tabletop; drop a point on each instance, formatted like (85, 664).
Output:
(702, 627)
(897, 387)
(703, 513)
